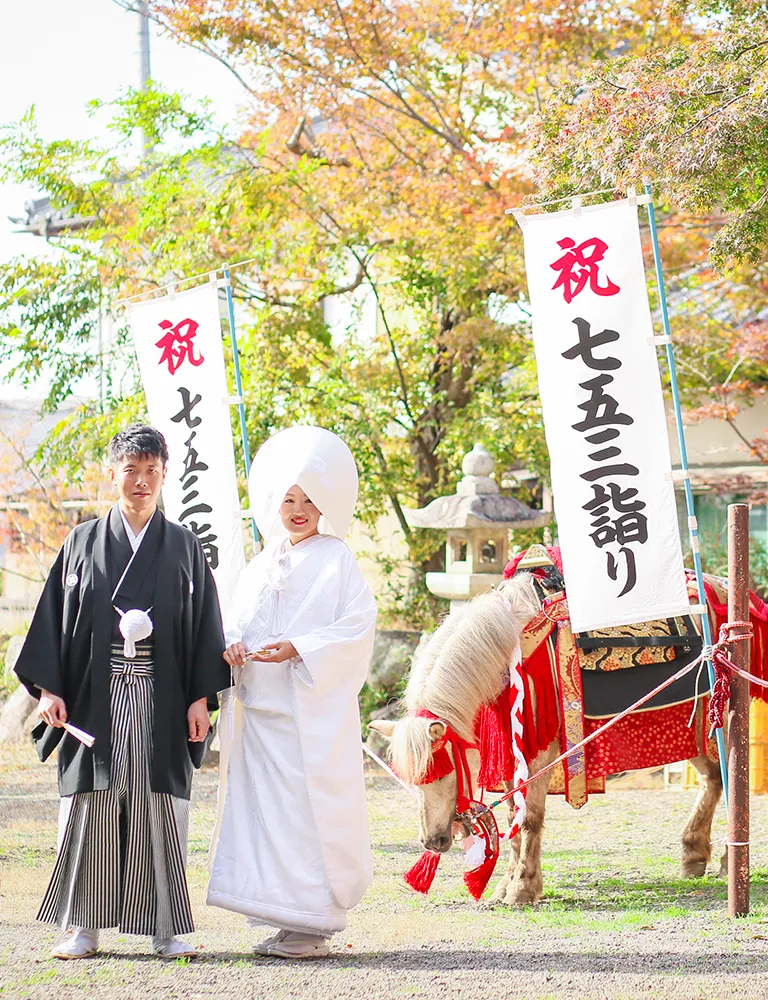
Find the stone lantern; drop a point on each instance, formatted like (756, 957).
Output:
(478, 519)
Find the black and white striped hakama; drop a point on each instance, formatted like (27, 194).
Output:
(122, 851)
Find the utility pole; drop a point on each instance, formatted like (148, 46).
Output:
(144, 71)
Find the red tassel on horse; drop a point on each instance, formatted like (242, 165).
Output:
(477, 879)
(494, 728)
(483, 840)
(421, 876)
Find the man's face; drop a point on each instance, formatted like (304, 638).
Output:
(139, 479)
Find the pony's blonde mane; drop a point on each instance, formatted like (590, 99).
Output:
(462, 666)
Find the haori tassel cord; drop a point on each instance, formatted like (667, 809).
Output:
(135, 625)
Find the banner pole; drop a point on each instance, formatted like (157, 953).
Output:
(693, 526)
(239, 387)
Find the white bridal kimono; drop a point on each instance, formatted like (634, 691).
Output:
(291, 846)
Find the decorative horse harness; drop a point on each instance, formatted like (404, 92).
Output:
(481, 832)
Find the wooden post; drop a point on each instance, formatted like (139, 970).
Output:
(738, 716)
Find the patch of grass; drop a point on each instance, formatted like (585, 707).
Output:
(30, 857)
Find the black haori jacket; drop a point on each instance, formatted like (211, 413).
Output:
(67, 650)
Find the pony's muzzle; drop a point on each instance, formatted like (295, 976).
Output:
(439, 844)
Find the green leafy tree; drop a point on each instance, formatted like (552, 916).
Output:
(376, 152)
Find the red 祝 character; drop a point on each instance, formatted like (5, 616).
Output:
(177, 346)
(579, 265)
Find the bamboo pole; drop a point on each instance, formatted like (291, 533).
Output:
(239, 386)
(693, 525)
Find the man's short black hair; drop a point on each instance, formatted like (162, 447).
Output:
(138, 440)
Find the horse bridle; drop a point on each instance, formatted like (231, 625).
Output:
(442, 765)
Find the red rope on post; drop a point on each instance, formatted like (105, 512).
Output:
(723, 669)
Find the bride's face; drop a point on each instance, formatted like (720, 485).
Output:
(299, 515)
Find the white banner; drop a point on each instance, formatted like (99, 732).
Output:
(604, 416)
(181, 359)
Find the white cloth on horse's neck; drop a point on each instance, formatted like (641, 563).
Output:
(292, 845)
(135, 540)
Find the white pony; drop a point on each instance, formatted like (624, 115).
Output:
(464, 665)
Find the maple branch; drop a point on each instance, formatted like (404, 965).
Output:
(355, 143)
(29, 468)
(410, 112)
(682, 363)
(392, 347)
(314, 152)
(425, 93)
(716, 111)
(744, 440)
(362, 271)
(385, 137)
(610, 83)
(394, 498)
(756, 206)
(751, 48)
(15, 572)
(26, 541)
(242, 292)
(733, 370)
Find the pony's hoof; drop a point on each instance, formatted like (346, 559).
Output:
(694, 868)
(488, 904)
(522, 894)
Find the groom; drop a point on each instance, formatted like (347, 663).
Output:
(125, 800)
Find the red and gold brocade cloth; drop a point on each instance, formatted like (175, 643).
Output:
(657, 736)
(647, 738)
(551, 670)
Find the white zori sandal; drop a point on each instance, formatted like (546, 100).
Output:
(296, 945)
(173, 948)
(80, 942)
(262, 948)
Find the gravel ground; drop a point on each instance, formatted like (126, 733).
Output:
(616, 922)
